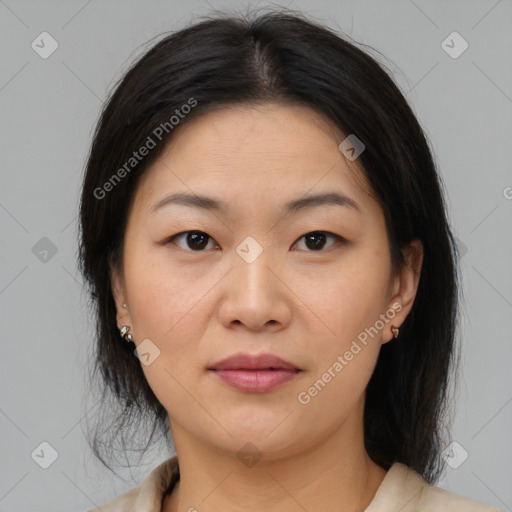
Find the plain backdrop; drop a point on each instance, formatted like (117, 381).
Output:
(49, 107)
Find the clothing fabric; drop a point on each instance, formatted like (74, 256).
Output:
(401, 490)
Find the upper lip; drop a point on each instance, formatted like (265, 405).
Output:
(253, 362)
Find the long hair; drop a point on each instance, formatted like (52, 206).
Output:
(284, 57)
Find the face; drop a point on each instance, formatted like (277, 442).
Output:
(312, 284)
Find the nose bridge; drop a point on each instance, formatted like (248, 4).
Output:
(250, 295)
(253, 283)
(254, 296)
(252, 260)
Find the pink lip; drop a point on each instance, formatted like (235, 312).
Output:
(257, 374)
(256, 381)
(250, 362)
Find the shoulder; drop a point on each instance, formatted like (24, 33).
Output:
(148, 496)
(404, 489)
(434, 498)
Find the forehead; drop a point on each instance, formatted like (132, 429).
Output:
(251, 154)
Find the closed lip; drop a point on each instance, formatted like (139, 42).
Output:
(253, 362)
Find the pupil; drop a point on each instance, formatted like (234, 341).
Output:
(193, 240)
(316, 236)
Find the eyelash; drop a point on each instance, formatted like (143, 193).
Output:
(338, 238)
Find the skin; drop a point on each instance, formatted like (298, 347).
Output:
(303, 304)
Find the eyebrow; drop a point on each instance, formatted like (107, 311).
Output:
(209, 203)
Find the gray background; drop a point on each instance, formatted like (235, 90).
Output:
(48, 110)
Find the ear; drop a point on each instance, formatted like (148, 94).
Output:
(405, 286)
(118, 290)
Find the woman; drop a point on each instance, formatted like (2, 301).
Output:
(265, 238)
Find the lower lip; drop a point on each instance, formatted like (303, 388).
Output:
(256, 381)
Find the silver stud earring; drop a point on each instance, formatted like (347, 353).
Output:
(125, 334)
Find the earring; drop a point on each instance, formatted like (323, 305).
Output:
(125, 334)
(394, 330)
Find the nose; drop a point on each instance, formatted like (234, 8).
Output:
(256, 296)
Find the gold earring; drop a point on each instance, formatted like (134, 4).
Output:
(394, 330)
(125, 334)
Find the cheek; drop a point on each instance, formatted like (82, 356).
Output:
(168, 308)
(349, 304)
(164, 296)
(331, 396)
(344, 358)
(352, 296)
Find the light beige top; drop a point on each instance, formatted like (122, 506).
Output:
(401, 490)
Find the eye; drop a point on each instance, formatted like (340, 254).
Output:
(315, 240)
(196, 240)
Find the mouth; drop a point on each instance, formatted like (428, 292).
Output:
(254, 362)
(256, 374)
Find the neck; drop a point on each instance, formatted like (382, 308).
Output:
(337, 471)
